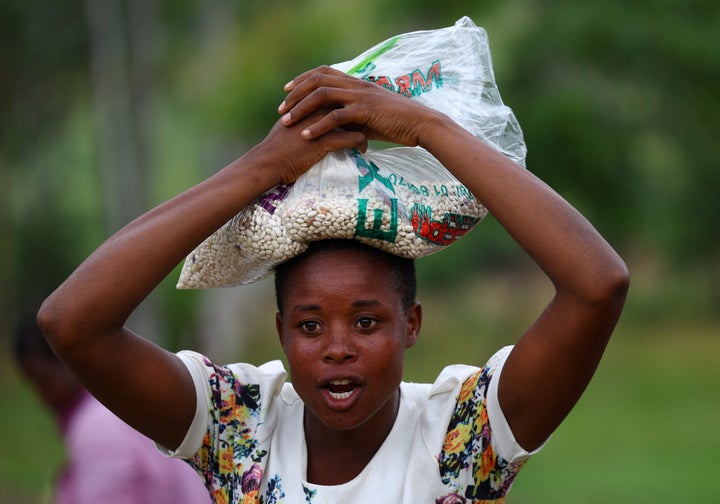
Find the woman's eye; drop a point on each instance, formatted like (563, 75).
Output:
(310, 325)
(365, 323)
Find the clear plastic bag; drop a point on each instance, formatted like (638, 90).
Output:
(401, 200)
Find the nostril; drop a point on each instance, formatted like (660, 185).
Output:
(339, 352)
(339, 356)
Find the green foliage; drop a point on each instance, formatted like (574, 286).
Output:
(619, 105)
(32, 452)
(618, 102)
(55, 212)
(646, 426)
(43, 63)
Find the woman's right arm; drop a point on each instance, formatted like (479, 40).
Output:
(84, 319)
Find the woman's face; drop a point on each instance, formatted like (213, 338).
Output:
(345, 332)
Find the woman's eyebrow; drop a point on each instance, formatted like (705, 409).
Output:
(307, 307)
(366, 303)
(360, 303)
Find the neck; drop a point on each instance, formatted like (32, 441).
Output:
(338, 456)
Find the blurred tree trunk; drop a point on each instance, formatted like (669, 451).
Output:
(122, 64)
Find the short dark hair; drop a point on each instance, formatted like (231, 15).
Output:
(29, 341)
(403, 280)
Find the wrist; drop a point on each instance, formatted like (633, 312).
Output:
(436, 128)
(254, 171)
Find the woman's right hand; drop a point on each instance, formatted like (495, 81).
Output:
(287, 154)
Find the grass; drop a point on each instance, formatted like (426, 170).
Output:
(645, 431)
(31, 451)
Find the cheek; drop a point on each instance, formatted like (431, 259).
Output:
(390, 357)
(300, 357)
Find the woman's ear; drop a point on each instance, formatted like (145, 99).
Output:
(279, 328)
(414, 323)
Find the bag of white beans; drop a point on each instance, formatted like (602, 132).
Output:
(401, 199)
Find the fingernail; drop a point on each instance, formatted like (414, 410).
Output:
(286, 118)
(281, 107)
(305, 133)
(288, 85)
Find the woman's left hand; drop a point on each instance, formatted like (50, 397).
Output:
(355, 105)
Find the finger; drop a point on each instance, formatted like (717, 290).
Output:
(344, 119)
(315, 82)
(324, 98)
(309, 84)
(324, 69)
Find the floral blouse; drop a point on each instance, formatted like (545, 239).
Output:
(450, 443)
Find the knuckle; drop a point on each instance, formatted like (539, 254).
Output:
(337, 115)
(323, 92)
(361, 141)
(315, 79)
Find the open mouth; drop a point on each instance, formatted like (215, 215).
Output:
(341, 389)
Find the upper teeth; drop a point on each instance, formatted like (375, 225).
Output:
(340, 382)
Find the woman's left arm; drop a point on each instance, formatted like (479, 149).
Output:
(554, 360)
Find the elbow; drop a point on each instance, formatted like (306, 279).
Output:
(619, 280)
(602, 288)
(612, 286)
(55, 326)
(48, 319)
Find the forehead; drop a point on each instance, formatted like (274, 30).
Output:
(344, 272)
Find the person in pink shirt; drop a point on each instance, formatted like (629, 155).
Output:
(107, 460)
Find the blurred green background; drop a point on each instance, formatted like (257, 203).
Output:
(110, 106)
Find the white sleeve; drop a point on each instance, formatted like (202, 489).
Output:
(270, 378)
(503, 439)
(195, 433)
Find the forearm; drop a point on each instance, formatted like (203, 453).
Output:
(553, 361)
(559, 239)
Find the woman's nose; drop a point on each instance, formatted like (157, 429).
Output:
(339, 347)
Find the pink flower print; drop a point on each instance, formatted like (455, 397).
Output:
(451, 499)
(251, 479)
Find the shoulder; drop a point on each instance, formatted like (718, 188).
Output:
(467, 396)
(456, 379)
(231, 398)
(246, 382)
(201, 366)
